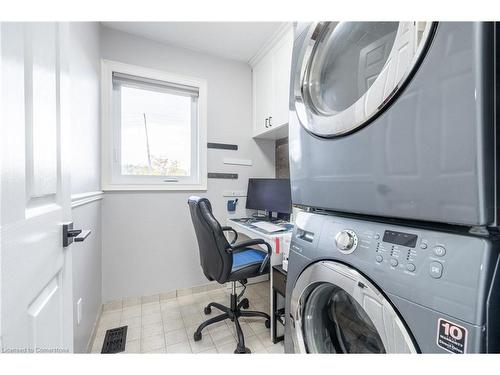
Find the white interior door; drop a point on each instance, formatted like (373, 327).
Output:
(36, 308)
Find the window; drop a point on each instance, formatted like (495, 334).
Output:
(154, 129)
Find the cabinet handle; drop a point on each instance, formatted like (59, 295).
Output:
(267, 119)
(270, 117)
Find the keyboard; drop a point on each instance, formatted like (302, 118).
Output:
(268, 227)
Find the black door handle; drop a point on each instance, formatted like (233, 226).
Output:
(80, 237)
(270, 117)
(70, 234)
(267, 119)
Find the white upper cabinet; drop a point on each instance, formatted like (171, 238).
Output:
(282, 57)
(271, 82)
(262, 94)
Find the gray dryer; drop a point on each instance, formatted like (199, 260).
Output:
(395, 119)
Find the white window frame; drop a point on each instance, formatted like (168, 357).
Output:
(108, 135)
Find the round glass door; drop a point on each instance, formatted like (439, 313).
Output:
(335, 309)
(351, 70)
(333, 322)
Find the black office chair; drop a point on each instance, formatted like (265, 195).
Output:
(223, 261)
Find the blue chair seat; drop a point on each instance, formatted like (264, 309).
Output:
(247, 257)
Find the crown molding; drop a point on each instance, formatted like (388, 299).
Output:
(269, 43)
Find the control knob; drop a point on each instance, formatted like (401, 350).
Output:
(346, 241)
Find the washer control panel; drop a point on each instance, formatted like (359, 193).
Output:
(441, 270)
(406, 252)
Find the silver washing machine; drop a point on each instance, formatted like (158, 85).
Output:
(395, 119)
(370, 287)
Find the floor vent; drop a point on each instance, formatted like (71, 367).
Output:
(114, 341)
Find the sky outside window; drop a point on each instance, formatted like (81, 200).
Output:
(160, 122)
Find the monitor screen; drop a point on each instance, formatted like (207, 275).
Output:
(269, 194)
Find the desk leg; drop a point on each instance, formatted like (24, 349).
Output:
(274, 320)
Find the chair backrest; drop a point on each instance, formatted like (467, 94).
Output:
(215, 261)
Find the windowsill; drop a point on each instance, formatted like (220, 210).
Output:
(170, 187)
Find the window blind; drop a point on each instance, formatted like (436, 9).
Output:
(148, 83)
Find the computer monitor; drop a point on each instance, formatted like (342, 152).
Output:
(269, 194)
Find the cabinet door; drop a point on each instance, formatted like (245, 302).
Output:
(263, 93)
(282, 57)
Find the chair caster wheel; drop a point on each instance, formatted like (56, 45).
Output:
(197, 336)
(245, 303)
(242, 351)
(207, 310)
(268, 323)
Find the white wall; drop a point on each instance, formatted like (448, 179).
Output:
(85, 69)
(148, 240)
(1, 134)
(85, 175)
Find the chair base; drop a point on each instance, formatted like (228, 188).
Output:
(246, 351)
(233, 313)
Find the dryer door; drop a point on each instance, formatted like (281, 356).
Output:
(337, 310)
(349, 71)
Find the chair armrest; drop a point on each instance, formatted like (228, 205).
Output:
(251, 242)
(255, 241)
(225, 229)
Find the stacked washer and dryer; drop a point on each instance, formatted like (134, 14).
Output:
(393, 159)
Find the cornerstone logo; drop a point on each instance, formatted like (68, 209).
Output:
(33, 350)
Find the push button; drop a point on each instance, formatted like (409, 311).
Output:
(377, 236)
(439, 251)
(435, 270)
(379, 258)
(423, 245)
(394, 262)
(410, 267)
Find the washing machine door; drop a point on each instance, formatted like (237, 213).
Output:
(337, 310)
(348, 72)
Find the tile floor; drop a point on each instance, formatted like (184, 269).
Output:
(166, 325)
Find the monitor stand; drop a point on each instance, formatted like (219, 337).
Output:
(267, 217)
(284, 217)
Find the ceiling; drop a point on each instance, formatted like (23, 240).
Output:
(238, 41)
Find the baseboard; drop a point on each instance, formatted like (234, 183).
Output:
(113, 305)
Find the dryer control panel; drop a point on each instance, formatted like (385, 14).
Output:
(404, 261)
